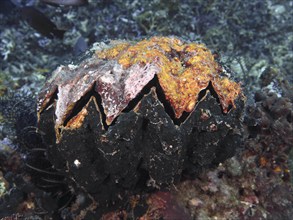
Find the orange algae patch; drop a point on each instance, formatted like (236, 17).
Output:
(227, 91)
(185, 70)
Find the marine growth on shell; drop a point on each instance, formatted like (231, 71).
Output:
(119, 72)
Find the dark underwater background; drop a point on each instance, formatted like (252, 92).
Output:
(253, 38)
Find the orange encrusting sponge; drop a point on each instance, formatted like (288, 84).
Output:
(185, 70)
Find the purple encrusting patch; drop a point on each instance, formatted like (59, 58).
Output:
(116, 86)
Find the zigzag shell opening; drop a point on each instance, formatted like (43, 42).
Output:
(184, 70)
(124, 72)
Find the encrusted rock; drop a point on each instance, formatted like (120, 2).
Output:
(135, 115)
